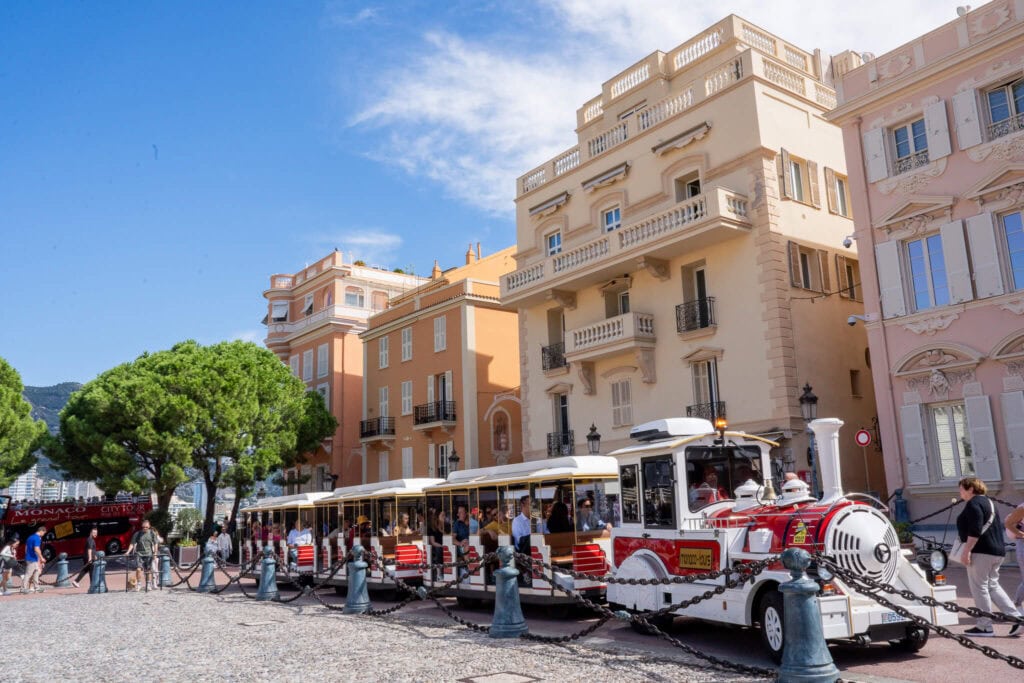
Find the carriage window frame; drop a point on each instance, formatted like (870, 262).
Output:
(625, 491)
(671, 499)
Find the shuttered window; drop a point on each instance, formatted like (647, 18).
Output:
(407, 397)
(321, 360)
(927, 272)
(440, 333)
(622, 403)
(406, 344)
(383, 353)
(809, 268)
(798, 179)
(307, 365)
(848, 278)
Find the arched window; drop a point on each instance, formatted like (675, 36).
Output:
(354, 297)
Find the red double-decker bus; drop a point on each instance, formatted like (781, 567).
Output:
(68, 524)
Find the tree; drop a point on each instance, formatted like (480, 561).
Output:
(20, 435)
(188, 522)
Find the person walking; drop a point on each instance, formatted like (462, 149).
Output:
(1015, 529)
(981, 531)
(88, 557)
(8, 561)
(145, 544)
(34, 562)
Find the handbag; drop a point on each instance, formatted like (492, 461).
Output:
(958, 553)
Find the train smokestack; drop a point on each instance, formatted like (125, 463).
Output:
(826, 433)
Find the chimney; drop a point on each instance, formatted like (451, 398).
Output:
(469, 254)
(436, 272)
(826, 433)
(478, 251)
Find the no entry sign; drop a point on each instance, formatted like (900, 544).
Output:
(863, 438)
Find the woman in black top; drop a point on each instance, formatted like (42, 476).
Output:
(87, 557)
(981, 530)
(559, 519)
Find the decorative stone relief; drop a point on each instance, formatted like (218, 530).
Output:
(939, 382)
(502, 458)
(932, 324)
(585, 371)
(658, 268)
(973, 389)
(1015, 368)
(894, 66)
(1013, 383)
(1012, 194)
(989, 21)
(1015, 306)
(645, 359)
(914, 181)
(1005, 148)
(936, 357)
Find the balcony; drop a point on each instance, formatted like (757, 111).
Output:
(1008, 125)
(611, 336)
(695, 315)
(377, 429)
(435, 414)
(552, 357)
(717, 215)
(348, 316)
(911, 162)
(561, 443)
(708, 411)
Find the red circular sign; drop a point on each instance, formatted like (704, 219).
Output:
(863, 438)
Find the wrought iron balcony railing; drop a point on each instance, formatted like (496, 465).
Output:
(377, 426)
(911, 162)
(437, 411)
(561, 443)
(708, 411)
(1008, 125)
(553, 356)
(695, 315)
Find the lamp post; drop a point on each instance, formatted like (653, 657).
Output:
(453, 461)
(593, 440)
(809, 410)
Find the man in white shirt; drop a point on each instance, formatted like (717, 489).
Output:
(224, 543)
(296, 537)
(521, 524)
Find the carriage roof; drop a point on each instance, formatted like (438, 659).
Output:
(565, 467)
(380, 489)
(672, 443)
(296, 500)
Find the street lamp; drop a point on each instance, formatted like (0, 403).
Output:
(453, 461)
(593, 440)
(809, 410)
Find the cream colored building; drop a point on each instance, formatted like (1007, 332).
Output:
(686, 256)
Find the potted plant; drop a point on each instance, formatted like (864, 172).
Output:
(188, 551)
(905, 535)
(187, 523)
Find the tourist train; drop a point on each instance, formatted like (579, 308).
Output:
(687, 498)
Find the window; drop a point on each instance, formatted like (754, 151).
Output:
(554, 243)
(927, 272)
(307, 305)
(382, 471)
(848, 270)
(293, 363)
(1005, 109)
(622, 403)
(798, 179)
(808, 268)
(952, 445)
(659, 491)
(321, 360)
(855, 383)
(796, 175)
(382, 401)
(442, 460)
(616, 300)
(279, 311)
(354, 297)
(325, 392)
(307, 365)
(612, 219)
(629, 484)
(440, 333)
(407, 462)
(910, 143)
(687, 186)
(382, 352)
(838, 191)
(1013, 229)
(406, 344)
(705, 382)
(407, 397)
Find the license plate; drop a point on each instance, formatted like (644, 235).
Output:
(892, 618)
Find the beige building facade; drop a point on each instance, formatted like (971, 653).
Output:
(314, 318)
(441, 369)
(686, 258)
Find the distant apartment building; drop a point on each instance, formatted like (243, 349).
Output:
(686, 258)
(934, 134)
(441, 376)
(314, 318)
(26, 486)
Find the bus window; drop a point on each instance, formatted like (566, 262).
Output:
(713, 473)
(630, 494)
(659, 492)
(596, 505)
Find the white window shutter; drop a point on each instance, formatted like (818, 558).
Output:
(890, 279)
(958, 271)
(1013, 418)
(448, 385)
(785, 186)
(874, 154)
(938, 130)
(914, 452)
(966, 119)
(988, 278)
(430, 388)
(407, 462)
(983, 438)
(830, 190)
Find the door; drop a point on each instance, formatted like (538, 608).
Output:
(700, 288)
(564, 438)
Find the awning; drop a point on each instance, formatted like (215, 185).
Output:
(279, 310)
(683, 139)
(550, 205)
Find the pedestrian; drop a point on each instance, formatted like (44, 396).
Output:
(88, 557)
(1015, 529)
(145, 544)
(8, 561)
(34, 562)
(981, 532)
(224, 543)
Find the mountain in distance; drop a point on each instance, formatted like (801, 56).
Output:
(47, 402)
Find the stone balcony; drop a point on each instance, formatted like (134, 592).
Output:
(335, 314)
(716, 215)
(610, 336)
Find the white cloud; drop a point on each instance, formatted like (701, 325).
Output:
(338, 16)
(373, 246)
(474, 115)
(254, 336)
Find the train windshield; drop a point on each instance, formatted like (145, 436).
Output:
(714, 472)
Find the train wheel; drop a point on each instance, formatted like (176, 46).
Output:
(113, 546)
(916, 639)
(771, 625)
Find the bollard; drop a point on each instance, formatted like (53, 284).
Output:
(206, 580)
(98, 578)
(268, 576)
(805, 656)
(508, 613)
(900, 510)
(165, 567)
(358, 599)
(63, 579)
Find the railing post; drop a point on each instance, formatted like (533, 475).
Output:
(358, 599)
(98, 580)
(165, 567)
(63, 579)
(268, 576)
(805, 656)
(206, 580)
(508, 613)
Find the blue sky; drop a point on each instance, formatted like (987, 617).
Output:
(158, 161)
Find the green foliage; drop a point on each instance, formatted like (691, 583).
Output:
(359, 262)
(189, 523)
(161, 521)
(20, 435)
(399, 271)
(903, 532)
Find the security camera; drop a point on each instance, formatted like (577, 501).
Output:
(848, 242)
(851, 321)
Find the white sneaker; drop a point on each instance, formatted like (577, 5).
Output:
(74, 583)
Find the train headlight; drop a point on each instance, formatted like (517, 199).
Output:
(937, 560)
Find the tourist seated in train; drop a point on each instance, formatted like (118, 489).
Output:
(460, 532)
(558, 521)
(402, 527)
(587, 518)
(439, 527)
(474, 521)
(296, 537)
(707, 489)
(521, 539)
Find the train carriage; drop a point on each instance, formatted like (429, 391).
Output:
(268, 522)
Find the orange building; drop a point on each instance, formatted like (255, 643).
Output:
(442, 376)
(314, 318)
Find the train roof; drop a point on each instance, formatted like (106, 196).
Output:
(394, 487)
(296, 500)
(533, 470)
(672, 443)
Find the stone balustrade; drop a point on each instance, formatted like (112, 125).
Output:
(620, 328)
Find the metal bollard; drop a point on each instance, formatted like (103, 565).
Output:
(805, 656)
(98, 579)
(63, 578)
(165, 568)
(268, 576)
(206, 580)
(358, 599)
(508, 613)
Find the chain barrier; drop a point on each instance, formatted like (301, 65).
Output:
(871, 589)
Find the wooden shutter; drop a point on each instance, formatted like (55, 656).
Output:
(1013, 420)
(958, 270)
(966, 119)
(938, 130)
(983, 438)
(407, 472)
(794, 265)
(448, 385)
(826, 280)
(915, 455)
(988, 278)
(890, 279)
(841, 280)
(785, 185)
(874, 154)
(616, 404)
(830, 190)
(812, 182)
(383, 401)
(430, 388)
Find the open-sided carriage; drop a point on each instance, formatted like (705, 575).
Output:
(268, 522)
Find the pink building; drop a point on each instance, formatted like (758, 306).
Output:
(934, 137)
